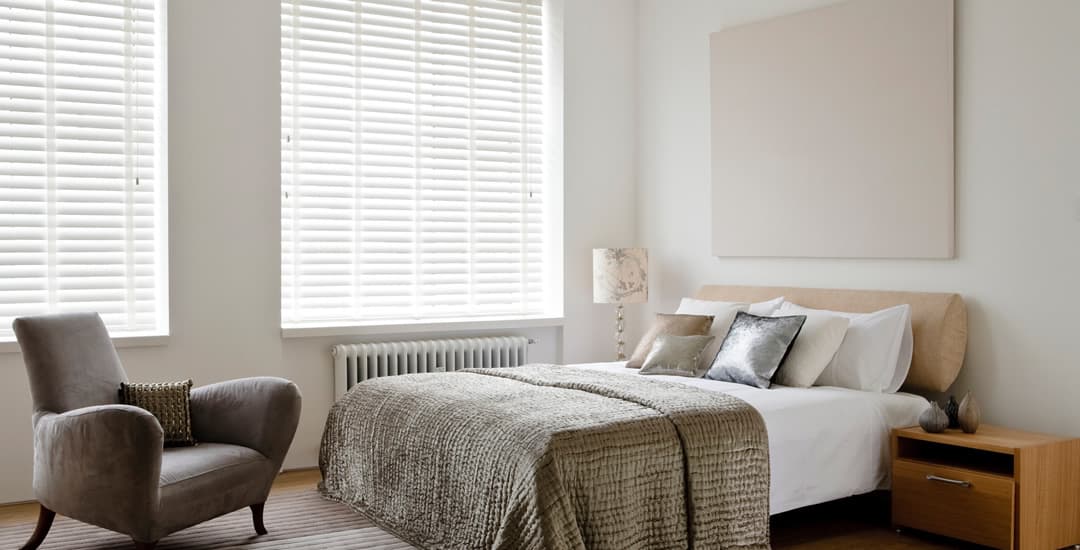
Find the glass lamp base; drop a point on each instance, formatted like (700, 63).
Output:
(620, 344)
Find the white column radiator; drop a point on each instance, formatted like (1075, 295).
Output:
(355, 363)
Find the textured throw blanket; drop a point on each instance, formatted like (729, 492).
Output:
(547, 457)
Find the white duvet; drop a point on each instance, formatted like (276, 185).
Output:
(825, 443)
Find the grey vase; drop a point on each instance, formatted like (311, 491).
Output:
(952, 409)
(934, 420)
(969, 414)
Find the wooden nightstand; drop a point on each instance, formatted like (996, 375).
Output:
(998, 487)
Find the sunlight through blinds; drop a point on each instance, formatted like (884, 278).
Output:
(82, 197)
(413, 176)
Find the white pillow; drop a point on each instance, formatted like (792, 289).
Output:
(723, 315)
(813, 349)
(766, 308)
(875, 355)
(903, 362)
(762, 309)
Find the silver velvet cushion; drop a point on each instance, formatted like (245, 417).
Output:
(754, 348)
(676, 355)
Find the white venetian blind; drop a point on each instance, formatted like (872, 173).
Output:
(81, 162)
(412, 160)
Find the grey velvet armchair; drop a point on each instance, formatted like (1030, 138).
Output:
(103, 463)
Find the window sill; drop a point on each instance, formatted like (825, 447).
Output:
(447, 325)
(140, 341)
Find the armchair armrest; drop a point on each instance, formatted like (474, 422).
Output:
(99, 454)
(259, 413)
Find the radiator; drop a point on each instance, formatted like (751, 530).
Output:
(355, 363)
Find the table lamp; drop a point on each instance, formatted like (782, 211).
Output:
(620, 276)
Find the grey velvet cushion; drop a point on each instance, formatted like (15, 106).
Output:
(754, 348)
(169, 402)
(676, 355)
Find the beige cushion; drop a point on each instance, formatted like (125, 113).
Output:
(669, 323)
(938, 323)
(812, 351)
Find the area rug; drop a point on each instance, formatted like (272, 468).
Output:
(300, 519)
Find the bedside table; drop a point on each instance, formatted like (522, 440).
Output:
(998, 487)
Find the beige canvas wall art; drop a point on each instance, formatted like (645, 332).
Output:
(832, 133)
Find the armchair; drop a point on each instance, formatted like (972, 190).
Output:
(103, 463)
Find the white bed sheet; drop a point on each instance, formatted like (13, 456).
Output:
(825, 443)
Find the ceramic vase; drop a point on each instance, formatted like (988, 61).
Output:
(934, 420)
(952, 409)
(969, 414)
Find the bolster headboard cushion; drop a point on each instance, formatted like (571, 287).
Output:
(938, 323)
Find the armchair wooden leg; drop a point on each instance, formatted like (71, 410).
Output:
(257, 517)
(144, 545)
(44, 523)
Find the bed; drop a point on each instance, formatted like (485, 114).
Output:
(593, 455)
(825, 443)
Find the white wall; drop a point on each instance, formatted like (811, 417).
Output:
(601, 129)
(224, 211)
(1018, 183)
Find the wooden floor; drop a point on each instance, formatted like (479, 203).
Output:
(857, 523)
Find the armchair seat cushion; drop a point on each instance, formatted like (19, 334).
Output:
(208, 480)
(182, 464)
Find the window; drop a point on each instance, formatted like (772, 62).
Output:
(416, 175)
(82, 164)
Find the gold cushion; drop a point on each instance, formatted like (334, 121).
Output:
(676, 355)
(169, 402)
(673, 324)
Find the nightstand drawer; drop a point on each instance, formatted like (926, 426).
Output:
(955, 502)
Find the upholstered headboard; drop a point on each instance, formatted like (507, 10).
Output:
(938, 323)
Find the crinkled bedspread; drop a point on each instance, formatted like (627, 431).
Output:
(549, 457)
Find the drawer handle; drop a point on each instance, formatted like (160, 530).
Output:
(959, 482)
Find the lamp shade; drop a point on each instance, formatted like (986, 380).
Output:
(620, 275)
